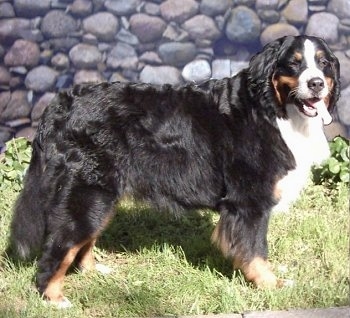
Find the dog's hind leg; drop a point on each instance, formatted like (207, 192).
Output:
(73, 227)
(243, 239)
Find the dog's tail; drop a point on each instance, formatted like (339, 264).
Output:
(28, 223)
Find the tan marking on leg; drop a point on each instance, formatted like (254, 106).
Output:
(220, 241)
(87, 260)
(53, 291)
(258, 271)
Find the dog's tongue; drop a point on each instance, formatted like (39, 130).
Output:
(323, 111)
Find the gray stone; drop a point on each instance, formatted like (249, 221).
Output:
(343, 106)
(266, 4)
(152, 8)
(58, 24)
(85, 56)
(16, 107)
(174, 33)
(40, 106)
(104, 25)
(6, 10)
(160, 75)
(147, 28)
(88, 76)
(122, 7)
(178, 10)
(247, 3)
(30, 8)
(341, 8)
(41, 78)
(81, 8)
(5, 76)
(150, 57)
(243, 25)
(237, 66)
(269, 16)
(60, 61)
(212, 8)
(323, 25)
(201, 27)
(197, 71)
(344, 68)
(296, 12)
(26, 132)
(177, 54)
(127, 37)
(23, 53)
(122, 55)
(12, 29)
(221, 68)
(277, 30)
(64, 43)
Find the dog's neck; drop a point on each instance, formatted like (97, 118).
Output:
(304, 136)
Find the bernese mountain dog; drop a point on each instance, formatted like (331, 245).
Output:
(239, 145)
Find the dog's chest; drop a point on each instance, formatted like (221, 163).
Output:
(309, 146)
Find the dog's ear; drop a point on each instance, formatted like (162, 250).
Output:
(335, 66)
(260, 72)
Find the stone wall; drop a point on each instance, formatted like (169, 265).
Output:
(48, 45)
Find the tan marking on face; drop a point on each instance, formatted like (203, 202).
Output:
(280, 83)
(330, 84)
(319, 54)
(298, 56)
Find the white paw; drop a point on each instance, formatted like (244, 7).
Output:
(63, 304)
(103, 269)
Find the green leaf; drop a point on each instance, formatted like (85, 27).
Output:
(334, 165)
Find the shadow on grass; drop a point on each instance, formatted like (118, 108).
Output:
(136, 226)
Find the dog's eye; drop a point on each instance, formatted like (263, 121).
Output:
(323, 62)
(294, 64)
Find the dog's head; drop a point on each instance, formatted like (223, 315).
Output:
(300, 71)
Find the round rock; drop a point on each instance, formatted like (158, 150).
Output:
(88, 76)
(81, 8)
(277, 30)
(23, 53)
(197, 71)
(58, 24)
(12, 29)
(30, 8)
(122, 7)
(296, 12)
(160, 75)
(176, 53)
(6, 10)
(341, 8)
(344, 68)
(16, 107)
(85, 56)
(147, 28)
(201, 27)
(323, 25)
(40, 106)
(212, 8)
(103, 25)
(243, 25)
(122, 55)
(343, 106)
(41, 78)
(178, 10)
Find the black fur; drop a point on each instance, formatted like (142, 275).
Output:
(214, 145)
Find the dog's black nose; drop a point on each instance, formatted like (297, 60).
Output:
(316, 84)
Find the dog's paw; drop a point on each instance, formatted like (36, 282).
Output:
(63, 303)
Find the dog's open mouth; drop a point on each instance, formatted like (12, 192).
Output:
(312, 107)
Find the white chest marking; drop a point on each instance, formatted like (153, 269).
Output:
(306, 140)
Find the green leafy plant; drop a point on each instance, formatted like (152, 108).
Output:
(13, 163)
(336, 168)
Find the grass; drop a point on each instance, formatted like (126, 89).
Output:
(163, 266)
